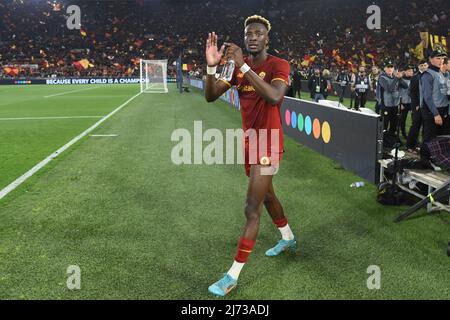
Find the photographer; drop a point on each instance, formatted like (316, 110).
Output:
(343, 79)
(317, 86)
(360, 88)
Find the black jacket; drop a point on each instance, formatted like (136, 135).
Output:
(317, 81)
(414, 90)
(296, 78)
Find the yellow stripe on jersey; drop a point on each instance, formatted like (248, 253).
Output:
(279, 79)
(223, 80)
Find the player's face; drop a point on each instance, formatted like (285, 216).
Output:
(409, 72)
(374, 70)
(256, 38)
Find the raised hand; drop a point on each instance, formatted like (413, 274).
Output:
(213, 55)
(235, 53)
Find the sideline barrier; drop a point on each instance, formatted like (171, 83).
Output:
(73, 81)
(353, 139)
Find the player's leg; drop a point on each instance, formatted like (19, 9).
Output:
(273, 205)
(276, 212)
(257, 189)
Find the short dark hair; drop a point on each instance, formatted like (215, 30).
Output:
(258, 19)
(423, 61)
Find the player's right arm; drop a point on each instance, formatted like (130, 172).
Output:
(214, 88)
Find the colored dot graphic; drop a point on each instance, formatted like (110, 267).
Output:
(300, 122)
(326, 132)
(293, 119)
(287, 117)
(308, 125)
(316, 128)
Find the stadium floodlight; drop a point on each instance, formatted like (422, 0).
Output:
(153, 76)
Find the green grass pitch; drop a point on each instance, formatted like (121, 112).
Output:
(140, 227)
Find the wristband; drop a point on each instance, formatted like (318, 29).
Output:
(211, 70)
(245, 68)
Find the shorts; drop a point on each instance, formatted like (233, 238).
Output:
(261, 151)
(271, 162)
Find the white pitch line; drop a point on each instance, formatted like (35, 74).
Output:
(103, 135)
(50, 118)
(41, 164)
(67, 92)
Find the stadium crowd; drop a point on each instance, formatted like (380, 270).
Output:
(331, 33)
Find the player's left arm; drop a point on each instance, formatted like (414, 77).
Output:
(271, 92)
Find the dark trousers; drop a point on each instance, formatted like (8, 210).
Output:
(430, 128)
(352, 97)
(360, 100)
(377, 107)
(403, 115)
(342, 93)
(180, 83)
(413, 134)
(296, 89)
(290, 92)
(319, 96)
(390, 119)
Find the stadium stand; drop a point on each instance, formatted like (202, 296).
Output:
(107, 43)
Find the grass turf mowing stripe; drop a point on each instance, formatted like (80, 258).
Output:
(103, 135)
(68, 92)
(51, 118)
(44, 162)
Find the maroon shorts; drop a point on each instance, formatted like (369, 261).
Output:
(272, 162)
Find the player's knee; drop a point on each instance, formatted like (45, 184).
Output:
(251, 210)
(268, 199)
